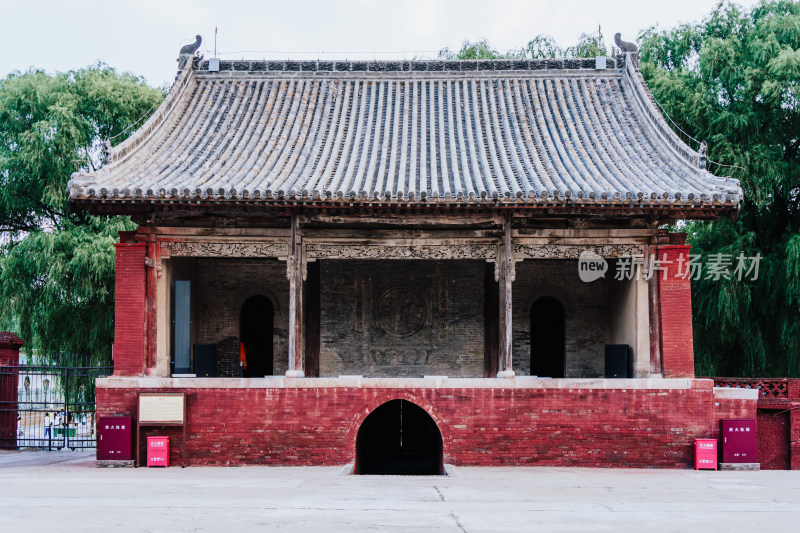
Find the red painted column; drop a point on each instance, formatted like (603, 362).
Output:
(675, 306)
(794, 424)
(9, 386)
(129, 307)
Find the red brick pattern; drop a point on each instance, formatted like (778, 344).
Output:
(773, 439)
(778, 422)
(559, 427)
(676, 313)
(129, 310)
(725, 408)
(9, 385)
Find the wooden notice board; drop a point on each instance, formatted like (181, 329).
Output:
(161, 409)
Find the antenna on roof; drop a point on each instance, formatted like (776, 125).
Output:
(215, 41)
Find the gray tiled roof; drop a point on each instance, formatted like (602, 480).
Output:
(407, 133)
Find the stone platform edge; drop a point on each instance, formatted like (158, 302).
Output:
(438, 382)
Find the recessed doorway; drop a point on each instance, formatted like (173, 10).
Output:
(548, 338)
(399, 438)
(255, 332)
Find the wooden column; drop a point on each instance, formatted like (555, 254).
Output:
(152, 262)
(295, 272)
(312, 311)
(491, 317)
(654, 298)
(506, 279)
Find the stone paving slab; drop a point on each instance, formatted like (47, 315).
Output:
(40, 489)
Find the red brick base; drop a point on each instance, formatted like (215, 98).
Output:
(480, 426)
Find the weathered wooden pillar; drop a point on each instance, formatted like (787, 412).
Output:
(506, 279)
(153, 264)
(311, 309)
(491, 317)
(295, 271)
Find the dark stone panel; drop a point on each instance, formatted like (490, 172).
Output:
(402, 318)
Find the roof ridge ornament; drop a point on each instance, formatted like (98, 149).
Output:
(702, 157)
(188, 51)
(628, 48)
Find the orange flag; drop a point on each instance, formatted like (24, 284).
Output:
(243, 355)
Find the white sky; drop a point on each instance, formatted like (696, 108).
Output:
(143, 36)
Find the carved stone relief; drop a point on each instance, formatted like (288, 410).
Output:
(467, 251)
(226, 249)
(562, 251)
(401, 312)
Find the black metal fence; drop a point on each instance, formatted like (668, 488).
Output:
(54, 405)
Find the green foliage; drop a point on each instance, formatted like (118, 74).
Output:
(733, 80)
(540, 47)
(479, 50)
(56, 267)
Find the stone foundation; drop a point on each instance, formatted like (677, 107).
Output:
(523, 421)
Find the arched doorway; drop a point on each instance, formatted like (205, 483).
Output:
(399, 438)
(548, 338)
(255, 332)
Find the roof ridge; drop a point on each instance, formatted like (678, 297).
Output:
(645, 101)
(412, 65)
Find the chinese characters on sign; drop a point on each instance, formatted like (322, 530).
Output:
(689, 267)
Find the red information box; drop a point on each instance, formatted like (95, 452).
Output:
(705, 454)
(157, 451)
(738, 440)
(115, 439)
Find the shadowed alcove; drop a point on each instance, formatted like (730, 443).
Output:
(548, 338)
(256, 328)
(399, 438)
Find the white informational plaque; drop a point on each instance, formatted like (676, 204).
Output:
(161, 408)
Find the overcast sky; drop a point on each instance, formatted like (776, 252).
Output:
(144, 36)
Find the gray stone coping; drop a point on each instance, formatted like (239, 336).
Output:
(432, 382)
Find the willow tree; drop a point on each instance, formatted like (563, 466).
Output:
(57, 267)
(732, 80)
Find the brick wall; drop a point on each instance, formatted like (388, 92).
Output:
(479, 426)
(221, 287)
(586, 307)
(402, 318)
(9, 388)
(129, 309)
(447, 295)
(773, 429)
(676, 313)
(725, 408)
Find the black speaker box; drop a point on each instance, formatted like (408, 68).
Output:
(617, 360)
(205, 360)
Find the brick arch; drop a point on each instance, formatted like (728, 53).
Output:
(245, 294)
(369, 407)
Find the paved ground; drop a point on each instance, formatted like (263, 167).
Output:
(63, 491)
